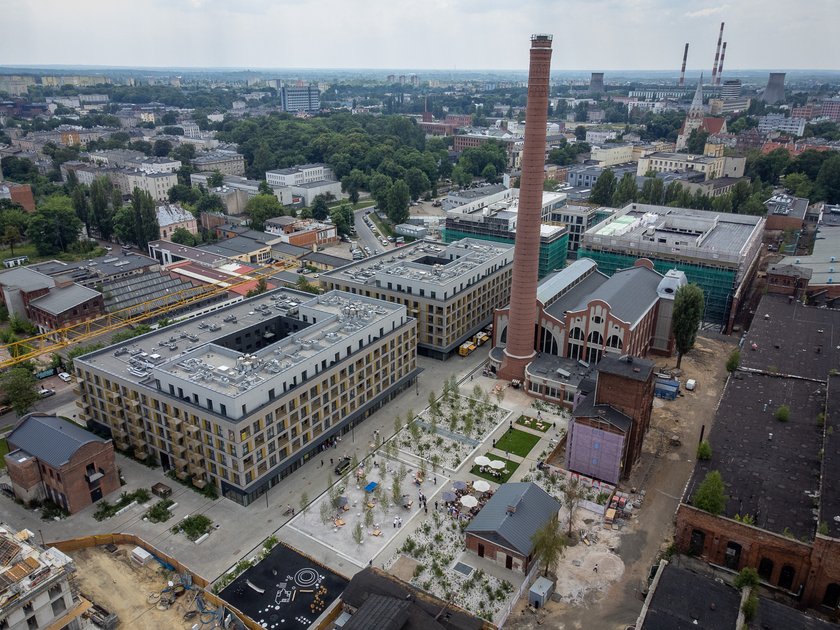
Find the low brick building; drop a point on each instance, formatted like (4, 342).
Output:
(51, 458)
(503, 530)
(782, 510)
(609, 423)
(788, 279)
(66, 305)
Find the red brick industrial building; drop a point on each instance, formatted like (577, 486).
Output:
(51, 458)
(781, 479)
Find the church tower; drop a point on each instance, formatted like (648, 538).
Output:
(694, 120)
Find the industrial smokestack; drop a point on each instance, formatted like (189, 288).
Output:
(775, 90)
(682, 72)
(596, 83)
(720, 67)
(717, 54)
(519, 350)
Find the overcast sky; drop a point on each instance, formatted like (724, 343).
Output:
(445, 34)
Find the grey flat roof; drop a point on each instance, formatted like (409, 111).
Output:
(824, 270)
(60, 300)
(102, 266)
(50, 439)
(326, 259)
(25, 278)
(772, 478)
(317, 184)
(237, 245)
(477, 193)
(534, 508)
(291, 250)
(634, 368)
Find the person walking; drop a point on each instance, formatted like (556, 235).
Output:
(595, 569)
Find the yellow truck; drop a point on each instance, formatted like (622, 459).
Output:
(466, 349)
(482, 338)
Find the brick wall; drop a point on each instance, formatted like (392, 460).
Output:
(70, 480)
(496, 553)
(633, 399)
(814, 565)
(25, 477)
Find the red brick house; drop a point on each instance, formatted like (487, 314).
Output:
(51, 458)
(65, 306)
(503, 530)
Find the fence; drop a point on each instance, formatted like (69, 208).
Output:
(86, 542)
(523, 589)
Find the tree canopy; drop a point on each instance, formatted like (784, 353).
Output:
(549, 542)
(260, 208)
(55, 226)
(710, 494)
(688, 313)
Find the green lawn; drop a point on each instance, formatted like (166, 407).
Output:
(533, 423)
(384, 227)
(510, 468)
(28, 249)
(4, 448)
(364, 203)
(517, 442)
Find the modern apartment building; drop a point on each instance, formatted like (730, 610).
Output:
(35, 590)
(451, 290)
(256, 388)
(780, 122)
(226, 162)
(296, 175)
(718, 251)
(300, 99)
(497, 222)
(578, 219)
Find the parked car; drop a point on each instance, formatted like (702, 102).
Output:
(342, 466)
(46, 393)
(64, 376)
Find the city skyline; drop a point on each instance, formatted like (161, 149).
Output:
(442, 34)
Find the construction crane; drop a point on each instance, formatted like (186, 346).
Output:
(54, 340)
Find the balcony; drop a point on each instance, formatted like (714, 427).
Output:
(180, 462)
(81, 404)
(118, 433)
(132, 402)
(196, 459)
(179, 450)
(199, 483)
(192, 430)
(140, 452)
(93, 477)
(121, 443)
(137, 431)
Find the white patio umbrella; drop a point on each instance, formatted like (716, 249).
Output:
(481, 486)
(497, 464)
(482, 460)
(469, 501)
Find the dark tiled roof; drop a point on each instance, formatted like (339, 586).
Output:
(427, 611)
(586, 409)
(772, 615)
(534, 508)
(326, 259)
(50, 439)
(634, 368)
(830, 497)
(771, 479)
(686, 600)
(380, 612)
(793, 339)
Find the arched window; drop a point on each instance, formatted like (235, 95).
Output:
(765, 569)
(596, 338)
(786, 576)
(548, 343)
(503, 337)
(576, 333)
(615, 342)
(832, 595)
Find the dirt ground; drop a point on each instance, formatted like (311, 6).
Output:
(611, 598)
(121, 586)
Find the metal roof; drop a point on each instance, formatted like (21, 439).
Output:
(24, 278)
(629, 292)
(514, 529)
(50, 439)
(557, 282)
(62, 299)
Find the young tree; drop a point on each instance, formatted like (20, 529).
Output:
(396, 490)
(549, 543)
(260, 208)
(733, 361)
(358, 535)
(688, 313)
(146, 227)
(18, 388)
(216, 179)
(711, 494)
(304, 503)
(326, 512)
(573, 493)
(352, 183)
(604, 188)
(183, 236)
(55, 226)
(11, 235)
(625, 191)
(320, 211)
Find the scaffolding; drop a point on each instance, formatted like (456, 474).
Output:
(718, 284)
(552, 257)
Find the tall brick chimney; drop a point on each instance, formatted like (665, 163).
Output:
(523, 293)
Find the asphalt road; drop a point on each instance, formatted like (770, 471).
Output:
(365, 237)
(63, 403)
